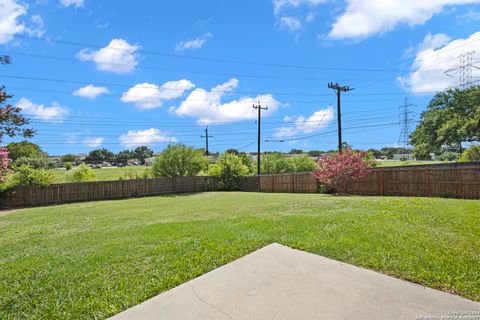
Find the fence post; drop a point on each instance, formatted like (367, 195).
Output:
(382, 183)
(426, 181)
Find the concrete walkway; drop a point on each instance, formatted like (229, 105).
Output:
(277, 282)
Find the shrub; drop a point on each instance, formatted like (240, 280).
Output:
(303, 164)
(471, 154)
(82, 174)
(68, 165)
(36, 162)
(229, 168)
(179, 160)
(336, 170)
(28, 176)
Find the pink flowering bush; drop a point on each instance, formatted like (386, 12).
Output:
(4, 162)
(336, 170)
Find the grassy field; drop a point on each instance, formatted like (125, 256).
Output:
(92, 260)
(395, 163)
(105, 174)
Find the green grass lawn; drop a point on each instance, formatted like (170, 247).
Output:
(104, 174)
(93, 260)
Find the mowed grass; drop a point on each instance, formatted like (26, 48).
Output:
(93, 260)
(104, 174)
(398, 163)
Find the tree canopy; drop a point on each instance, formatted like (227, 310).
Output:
(452, 118)
(24, 149)
(179, 160)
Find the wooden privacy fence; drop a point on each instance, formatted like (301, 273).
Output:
(104, 190)
(455, 181)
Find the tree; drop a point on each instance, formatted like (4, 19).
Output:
(232, 151)
(142, 153)
(4, 163)
(69, 158)
(24, 149)
(452, 118)
(179, 160)
(296, 151)
(471, 154)
(99, 156)
(315, 153)
(229, 168)
(276, 162)
(11, 119)
(336, 170)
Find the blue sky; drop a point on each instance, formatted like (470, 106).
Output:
(94, 74)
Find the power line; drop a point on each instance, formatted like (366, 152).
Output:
(190, 57)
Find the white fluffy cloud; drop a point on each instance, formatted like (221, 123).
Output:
(55, 113)
(150, 96)
(434, 58)
(90, 91)
(194, 44)
(317, 121)
(208, 107)
(118, 57)
(363, 18)
(147, 137)
(93, 142)
(10, 13)
(75, 3)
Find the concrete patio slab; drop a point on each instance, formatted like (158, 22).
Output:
(278, 282)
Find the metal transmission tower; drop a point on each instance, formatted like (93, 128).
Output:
(464, 69)
(405, 120)
(259, 108)
(206, 136)
(339, 89)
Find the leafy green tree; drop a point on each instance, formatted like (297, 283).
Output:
(12, 122)
(232, 151)
(69, 158)
(452, 118)
(82, 173)
(28, 176)
(99, 156)
(142, 153)
(471, 154)
(24, 149)
(229, 168)
(68, 166)
(179, 160)
(296, 151)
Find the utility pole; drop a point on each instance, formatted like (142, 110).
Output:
(339, 89)
(259, 108)
(206, 136)
(405, 121)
